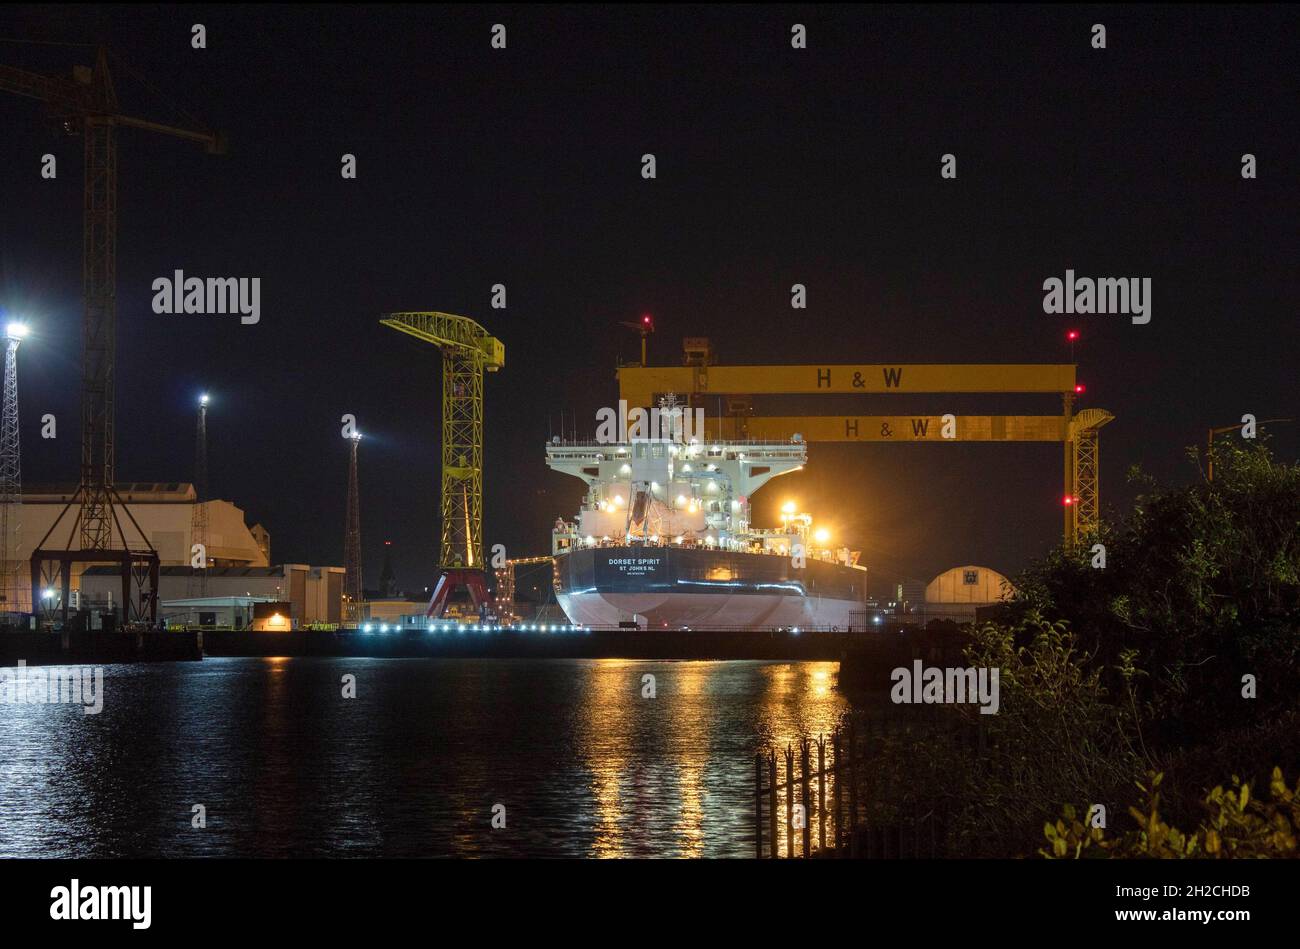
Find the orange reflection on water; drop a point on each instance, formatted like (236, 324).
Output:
(800, 702)
(607, 709)
(689, 735)
(671, 765)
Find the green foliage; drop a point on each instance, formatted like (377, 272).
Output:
(1237, 826)
(1057, 734)
(1108, 674)
(1201, 586)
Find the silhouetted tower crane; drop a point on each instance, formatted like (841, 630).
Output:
(87, 105)
(467, 351)
(352, 541)
(645, 326)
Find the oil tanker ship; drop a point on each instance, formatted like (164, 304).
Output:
(663, 540)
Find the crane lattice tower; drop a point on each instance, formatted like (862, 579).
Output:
(87, 105)
(468, 350)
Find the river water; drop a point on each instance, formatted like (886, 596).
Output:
(570, 753)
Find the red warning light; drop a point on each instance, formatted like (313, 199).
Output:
(1067, 500)
(1072, 335)
(1079, 387)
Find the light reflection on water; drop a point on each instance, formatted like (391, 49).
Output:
(285, 766)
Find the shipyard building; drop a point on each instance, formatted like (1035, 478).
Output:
(241, 588)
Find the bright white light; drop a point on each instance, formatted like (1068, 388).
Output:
(383, 628)
(681, 500)
(47, 594)
(203, 399)
(367, 628)
(821, 535)
(16, 330)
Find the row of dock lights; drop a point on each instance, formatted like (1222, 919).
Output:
(481, 628)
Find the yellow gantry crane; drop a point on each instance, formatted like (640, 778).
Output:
(468, 350)
(699, 378)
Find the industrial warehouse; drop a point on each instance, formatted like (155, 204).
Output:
(239, 573)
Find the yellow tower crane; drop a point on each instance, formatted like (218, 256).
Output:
(467, 351)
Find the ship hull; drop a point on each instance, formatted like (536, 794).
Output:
(673, 588)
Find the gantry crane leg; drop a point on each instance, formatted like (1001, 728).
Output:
(1084, 473)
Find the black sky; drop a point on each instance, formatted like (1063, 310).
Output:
(775, 166)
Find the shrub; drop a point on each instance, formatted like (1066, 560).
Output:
(1238, 826)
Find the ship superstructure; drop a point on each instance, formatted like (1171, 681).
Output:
(663, 538)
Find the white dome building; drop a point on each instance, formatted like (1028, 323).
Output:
(957, 593)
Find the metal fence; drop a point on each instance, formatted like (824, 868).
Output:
(811, 799)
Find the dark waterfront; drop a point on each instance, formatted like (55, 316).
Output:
(410, 767)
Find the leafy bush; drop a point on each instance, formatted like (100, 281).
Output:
(1204, 583)
(1108, 674)
(1237, 826)
(1057, 734)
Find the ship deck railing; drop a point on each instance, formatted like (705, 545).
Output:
(594, 443)
(580, 544)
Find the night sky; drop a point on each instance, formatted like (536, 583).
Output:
(775, 166)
